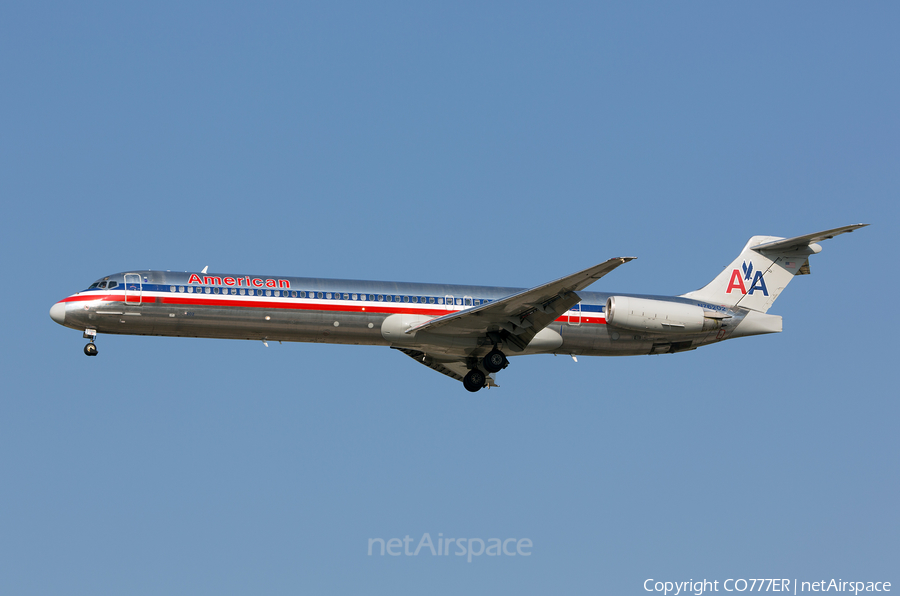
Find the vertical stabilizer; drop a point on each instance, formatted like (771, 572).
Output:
(763, 269)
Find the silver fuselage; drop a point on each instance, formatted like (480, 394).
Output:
(339, 311)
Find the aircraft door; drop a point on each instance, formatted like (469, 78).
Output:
(575, 315)
(133, 289)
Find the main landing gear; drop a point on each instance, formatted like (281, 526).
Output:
(91, 348)
(495, 361)
(475, 379)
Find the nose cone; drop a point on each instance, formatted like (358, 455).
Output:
(58, 312)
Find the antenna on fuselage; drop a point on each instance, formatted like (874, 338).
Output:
(204, 270)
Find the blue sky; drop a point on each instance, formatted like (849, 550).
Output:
(503, 144)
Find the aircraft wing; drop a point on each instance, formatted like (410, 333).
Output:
(454, 368)
(517, 319)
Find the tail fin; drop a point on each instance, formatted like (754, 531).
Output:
(763, 269)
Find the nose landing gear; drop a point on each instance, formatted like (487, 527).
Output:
(91, 348)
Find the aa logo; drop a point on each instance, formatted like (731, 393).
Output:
(737, 280)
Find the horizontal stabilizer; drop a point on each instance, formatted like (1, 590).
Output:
(786, 244)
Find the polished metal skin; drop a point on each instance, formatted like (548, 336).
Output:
(451, 328)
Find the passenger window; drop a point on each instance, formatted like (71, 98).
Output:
(346, 296)
(440, 300)
(171, 288)
(208, 290)
(431, 300)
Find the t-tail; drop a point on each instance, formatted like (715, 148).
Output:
(763, 269)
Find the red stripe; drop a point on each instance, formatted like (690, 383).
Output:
(294, 306)
(105, 297)
(132, 299)
(378, 309)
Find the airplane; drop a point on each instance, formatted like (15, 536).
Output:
(464, 332)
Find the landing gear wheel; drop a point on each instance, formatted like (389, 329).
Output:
(474, 380)
(90, 349)
(495, 361)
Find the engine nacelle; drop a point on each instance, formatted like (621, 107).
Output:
(659, 316)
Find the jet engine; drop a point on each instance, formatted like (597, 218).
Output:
(660, 316)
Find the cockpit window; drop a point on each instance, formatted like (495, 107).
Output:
(102, 285)
(94, 285)
(112, 284)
